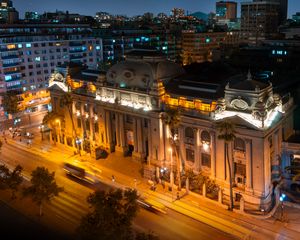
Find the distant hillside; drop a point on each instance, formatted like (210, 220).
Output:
(200, 15)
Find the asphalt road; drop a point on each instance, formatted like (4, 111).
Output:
(67, 209)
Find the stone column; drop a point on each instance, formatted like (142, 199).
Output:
(139, 136)
(213, 154)
(198, 150)
(91, 118)
(82, 116)
(249, 182)
(108, 130)
(150, 146)
(275, 162)
(122, 130)
(117, 124)
(136, 145)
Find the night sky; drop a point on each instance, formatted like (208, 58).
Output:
(126, 7)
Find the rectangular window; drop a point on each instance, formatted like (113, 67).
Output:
(205, 160)
(79, 122)
(96, 127)
(190, 155)
(28, 45)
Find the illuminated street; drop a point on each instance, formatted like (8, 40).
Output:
(67, 209)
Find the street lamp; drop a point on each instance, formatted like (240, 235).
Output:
(171, 173)
(281, 199)
(42, 131)
(78, 142)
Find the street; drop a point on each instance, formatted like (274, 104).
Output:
(66, 210)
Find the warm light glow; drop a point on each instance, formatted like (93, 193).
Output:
(86, 115)
(96, 118)
(170, 149)
(77, 113)
(205, 146)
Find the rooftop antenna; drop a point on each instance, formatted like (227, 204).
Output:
(249, 76)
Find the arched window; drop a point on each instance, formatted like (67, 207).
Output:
(239, 144)
(205, 136)
(189, 132)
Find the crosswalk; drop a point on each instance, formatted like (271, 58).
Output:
(68, 209)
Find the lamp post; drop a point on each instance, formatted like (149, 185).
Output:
(171, 173)
(42, 131)
(281, 199)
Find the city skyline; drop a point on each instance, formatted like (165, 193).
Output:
(136, 7)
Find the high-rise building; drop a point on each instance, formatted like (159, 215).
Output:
(226, 10)
(29, 53)
(259, 19)
(177, 13)
(8, 14)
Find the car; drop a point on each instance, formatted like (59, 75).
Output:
(151, 206)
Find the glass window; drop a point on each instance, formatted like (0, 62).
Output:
(205, 136)
(79, 122)
(189, 132)
(190, 155)
(205, 160)
(239, 144)
(28, 45)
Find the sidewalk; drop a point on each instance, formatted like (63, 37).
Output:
(126, 170)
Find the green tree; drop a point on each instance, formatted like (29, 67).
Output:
(227, 133)
(171, 118)
(111, 215)
(4, 175)
(43, 187)
(67, 101)
(11, 180)
(49, 120)
(10, 102)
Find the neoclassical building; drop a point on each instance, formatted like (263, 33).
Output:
(123, 111)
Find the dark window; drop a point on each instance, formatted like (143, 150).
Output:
(79, 122)
(189, 132)
(96, 127)
(190, 155)
(239, 144)
(240, 169)
(205, 136)
(87, 124)
(129, 119)
(205, 160)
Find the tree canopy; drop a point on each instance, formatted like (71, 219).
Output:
(111, 215)
(43, 186)
(11, 180)
(10, 103)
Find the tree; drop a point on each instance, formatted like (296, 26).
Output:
(227, 133)
(10, 102)
(111, 215)
(11, 180)
(49, 120)
(43, 187)
(171, 118)
(67, 101)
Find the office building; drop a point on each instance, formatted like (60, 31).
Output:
(226, 10)
(29, 54)
(8, 14)
(259, 20)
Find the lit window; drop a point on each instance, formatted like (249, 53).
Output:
(98, 48)
(28, 45)
(20, 45)
(37, 59)
(8, 78)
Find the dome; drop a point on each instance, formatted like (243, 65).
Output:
(250, 85)
(138, 73)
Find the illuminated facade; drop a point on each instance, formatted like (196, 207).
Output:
(123, 111)
(29, 54)
(205, 47)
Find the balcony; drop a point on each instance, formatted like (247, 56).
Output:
(190, 141)
(13, 56)
(10, 65)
